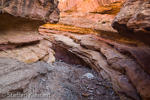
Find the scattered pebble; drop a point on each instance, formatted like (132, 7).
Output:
(88, 75)
(85, 95)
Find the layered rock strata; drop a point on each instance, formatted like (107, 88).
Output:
(93, 6)
(95, 14)
(44, 10)
(133, 18)
(120, 62)
(19, 39)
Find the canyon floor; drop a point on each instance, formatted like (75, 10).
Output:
(62, 82)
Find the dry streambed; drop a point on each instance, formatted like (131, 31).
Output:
(60, 82)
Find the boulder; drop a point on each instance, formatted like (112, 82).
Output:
(15, 76)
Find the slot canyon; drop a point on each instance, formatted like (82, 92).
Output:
(74, 49)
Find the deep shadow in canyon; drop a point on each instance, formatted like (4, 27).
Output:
(11, 23)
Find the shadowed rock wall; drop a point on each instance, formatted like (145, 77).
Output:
(44, 10)
(134, 20)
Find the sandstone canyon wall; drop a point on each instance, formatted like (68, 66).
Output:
(83, 35)
(134, 18)
(44, 10)
(91, 6)
(20, 20)
(95, 14)
(123, 54)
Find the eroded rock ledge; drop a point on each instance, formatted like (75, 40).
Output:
(120, 62)
(94, 14)
(20, 40)
(133, 20)
(44, 10)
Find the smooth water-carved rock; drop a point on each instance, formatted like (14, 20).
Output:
(118, 60)
(16, 31)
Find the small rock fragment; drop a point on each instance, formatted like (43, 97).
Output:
(88, 75)
(85, 95)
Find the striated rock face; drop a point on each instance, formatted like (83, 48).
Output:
(119, 61)
(19, 39)
(44, 10)
(31, 53)
(95, 14)
(95, 6)
(88, 20)
(134, 17)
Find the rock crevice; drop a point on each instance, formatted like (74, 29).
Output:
(126, 71)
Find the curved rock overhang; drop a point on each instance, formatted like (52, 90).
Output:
(133, 20)
(20, 19)
(44, 10)
(16, 31)
(11, 23)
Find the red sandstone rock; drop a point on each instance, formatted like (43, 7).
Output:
(99, 6)
(98, 62)
(119, 60)
(88, 20)
(89, 13)
(122, 64)
(16, 31)
(134, 18)
(35, 9)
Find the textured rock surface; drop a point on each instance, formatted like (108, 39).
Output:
(41, 81)
(15, 76)
(120, 62)
(134, 18)
(52, 27)
(10, 40)
(97, 6)
(16, 31)
(44, 10)
(23, 43)
(19, 39)
(88, 20)
(31, 53)
(95, 14)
